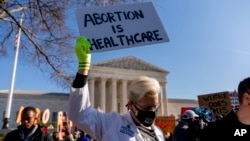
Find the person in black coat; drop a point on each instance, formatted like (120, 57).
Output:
(236, 124)
(28, 130)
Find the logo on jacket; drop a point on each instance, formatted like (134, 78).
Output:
(127, 130)
(240, 132)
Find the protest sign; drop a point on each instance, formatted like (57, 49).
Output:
(219, 103)
(234, 100)
(166, 123)
(121, 26)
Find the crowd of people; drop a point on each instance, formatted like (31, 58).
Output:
(30, 130)
(234, 126)
(137, 124)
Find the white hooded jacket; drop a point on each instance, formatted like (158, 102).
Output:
(103, 126)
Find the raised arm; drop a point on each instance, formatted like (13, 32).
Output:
(79, 94)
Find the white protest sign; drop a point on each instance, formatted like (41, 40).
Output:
(234, 100)
(121, 26)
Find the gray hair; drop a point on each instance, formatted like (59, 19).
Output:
(142, 86)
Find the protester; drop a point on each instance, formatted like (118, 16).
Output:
(137, 124)
(28, 130)
(68, 135)
(83, 137)
(186, 128)
(235, 125)
(56, 136)
(168, 136)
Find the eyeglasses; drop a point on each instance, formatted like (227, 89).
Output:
(148, 108)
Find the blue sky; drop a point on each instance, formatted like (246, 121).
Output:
(208, 51)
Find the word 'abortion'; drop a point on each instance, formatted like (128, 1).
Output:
(100, 18)
(125, 40)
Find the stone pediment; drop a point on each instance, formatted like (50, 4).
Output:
(129, 62)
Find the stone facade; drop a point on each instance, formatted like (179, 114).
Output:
(108, 81)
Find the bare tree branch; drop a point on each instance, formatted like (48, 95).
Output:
(46, 40)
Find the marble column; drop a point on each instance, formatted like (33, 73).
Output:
(165, 99)
(160, 111)
(124, 96)
(103, 94)
(114, 95)
(92, 91)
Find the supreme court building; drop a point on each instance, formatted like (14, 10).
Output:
(108, 82)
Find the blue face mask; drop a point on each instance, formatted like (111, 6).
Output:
(146, 117)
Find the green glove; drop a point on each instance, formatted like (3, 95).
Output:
(82, 50)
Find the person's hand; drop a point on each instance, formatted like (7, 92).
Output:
(82, 51)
